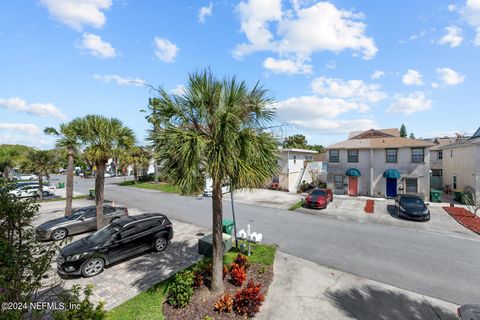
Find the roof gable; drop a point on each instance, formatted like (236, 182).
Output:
(476, 134)
(373, 133)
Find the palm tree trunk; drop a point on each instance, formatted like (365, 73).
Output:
(40, 186)
(155, 168)
(69, 189)
(217, 255)
(135, 173)
(99, 193)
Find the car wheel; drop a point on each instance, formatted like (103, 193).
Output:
(59, 234)
(114, 219)
(160, 244)
(45, 193)
(92, 267)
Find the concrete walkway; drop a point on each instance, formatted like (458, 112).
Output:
(305, 290)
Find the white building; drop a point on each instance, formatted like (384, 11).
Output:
(461, 164)
(292, 165)
(379, 163)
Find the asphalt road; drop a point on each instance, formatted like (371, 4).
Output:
(443, 266)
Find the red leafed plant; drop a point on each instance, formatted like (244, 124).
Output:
(198, 279)
(369, 206)
(224, 303)
(242, 261)
(248, 300)
(238, 275)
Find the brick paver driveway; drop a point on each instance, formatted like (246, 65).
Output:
(124, 280)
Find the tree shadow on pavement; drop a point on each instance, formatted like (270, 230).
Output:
(369, 302)
(158, 266)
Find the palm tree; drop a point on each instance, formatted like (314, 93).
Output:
(214, 130)
(103, 138)
(139, 158)
(41, 163)
(69, 142)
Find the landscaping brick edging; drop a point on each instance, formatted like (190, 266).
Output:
(465, 218)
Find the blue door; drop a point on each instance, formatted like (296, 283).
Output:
(391, 187)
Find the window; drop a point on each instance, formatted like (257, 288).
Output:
(309, 158)
(334, 156)
(440, 155)
(411, 185)
(128, 231)
(338, 182)
(437, 172)
(352, 155)
(294, 159)
(90, 214)
(391, 155)
(108, 210)
(418, 155)
(454, 182)
(451, 153)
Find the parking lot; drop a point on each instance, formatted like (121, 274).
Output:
(348, 208)
(123, 280)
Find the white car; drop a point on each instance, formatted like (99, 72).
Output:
(30, 177)
(108, 174)
(32, 191)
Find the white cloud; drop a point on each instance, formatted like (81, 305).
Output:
(328, 126)
(331, 65)
(411, 103)
(205, 12)
(16, 104)
(27, 128)
(178, 90)
(97, 47)
(451, 7)
(287, 66)
(453, 37)
(165, 50)
(355, 90)
(21, 133)
(412, 78)
(316, 107)
(434, 85)
(377, 74)
(301, 31)
(471, 13)
(121, 81)
(449, 76)
(78, 13)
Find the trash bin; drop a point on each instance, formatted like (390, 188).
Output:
(227, 226)
(61, 185)
(435, 195)
(458, 195)
(91, 192)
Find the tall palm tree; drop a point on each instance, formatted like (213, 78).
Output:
(103, 138)
(214, 130)
(139, 158)
(69, 142)
(41, 163)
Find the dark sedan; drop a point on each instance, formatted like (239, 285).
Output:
(82, 220)
(119, 240)
(412, 207)
(469, 312)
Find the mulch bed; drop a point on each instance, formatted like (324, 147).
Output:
(369, 206)
(202, 303)
(465, 218)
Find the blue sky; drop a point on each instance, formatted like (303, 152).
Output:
(332, 67)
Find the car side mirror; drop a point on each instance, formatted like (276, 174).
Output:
(82, 218)
(428, 203)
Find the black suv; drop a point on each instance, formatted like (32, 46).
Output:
(121, 239)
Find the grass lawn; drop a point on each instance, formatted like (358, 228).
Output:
(296, 206)
(148, 304)
(164, 187)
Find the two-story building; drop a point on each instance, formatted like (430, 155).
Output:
(461, 164)
(292, 163)
(436, 161)
(379, 163)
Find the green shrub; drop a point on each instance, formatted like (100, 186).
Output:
(146, 178)
(181, 289)
(127, 183)
(78, 309)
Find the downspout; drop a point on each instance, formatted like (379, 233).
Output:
(371, 172)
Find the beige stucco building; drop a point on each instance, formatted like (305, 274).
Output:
(379, 163)
(292, 165)
(436, 161)
(461, 164)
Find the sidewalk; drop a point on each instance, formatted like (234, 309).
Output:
(305, 290)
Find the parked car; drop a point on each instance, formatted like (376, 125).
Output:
(108, 174)
(30, 177)
(317, 198)
(121, 239)
(82, 220)
(469, 312)
(412, 207)
(31, 190)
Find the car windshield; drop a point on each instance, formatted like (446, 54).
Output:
(412, 201)
(104, 234)
(319, 193)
